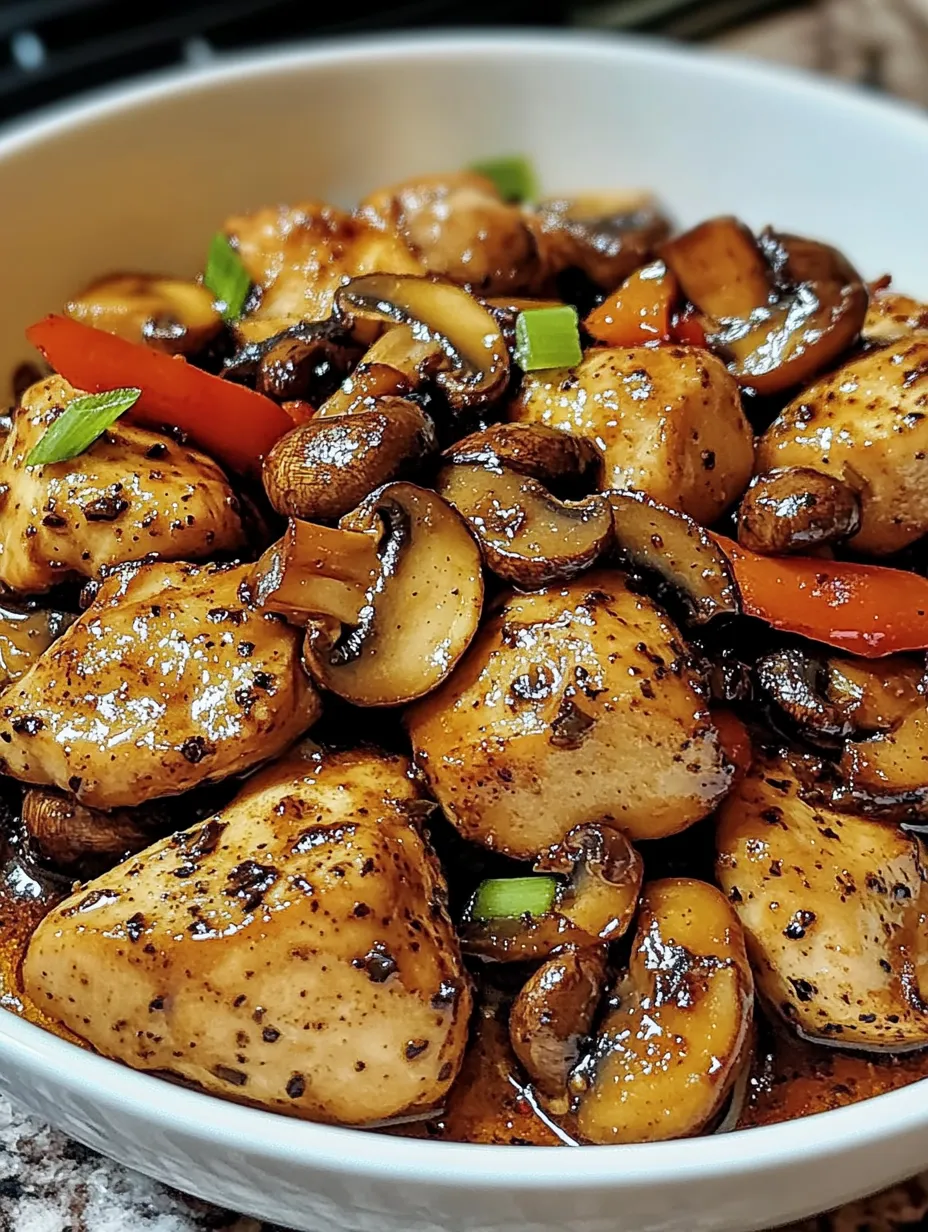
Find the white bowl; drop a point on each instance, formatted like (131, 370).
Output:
(139, 179)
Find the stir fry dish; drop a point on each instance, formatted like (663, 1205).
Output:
(463, 669)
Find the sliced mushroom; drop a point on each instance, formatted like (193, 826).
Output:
(66, 833)
(796, 681)
(876, 695)
(304, 362)
(778, 310)
(576, 703)
(832, 699)
(669, 1051)
(527, 536)
(671, 547)
(315, 571)
(887, 775)
(168, 314)
(553, 1013)
(796, 509)
(396, 364)
(834, 909)
(25, 633)
(557, 459)
(391, 599)
(595, 901)
(324, 468)
(476, 366)
(606, 235)
(459, 227)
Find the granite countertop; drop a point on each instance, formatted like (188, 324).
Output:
(49, 1183)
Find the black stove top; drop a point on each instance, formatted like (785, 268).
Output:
(50, 49)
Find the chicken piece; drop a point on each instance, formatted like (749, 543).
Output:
(892, 317)
(167, 680)
(294, 951)
(834, 909)
(133, 492)
(573, 704)
(460, 228)
(668, 420)
(300, 255)
(865, 424)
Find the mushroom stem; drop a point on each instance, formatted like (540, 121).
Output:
(65, 832)
(315, 571)
(394, 365)
(475, 362)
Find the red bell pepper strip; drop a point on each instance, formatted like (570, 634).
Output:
(866, 610)
(231, 422)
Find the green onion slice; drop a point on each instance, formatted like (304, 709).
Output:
(226, 277)
(514, 177)
(79, 425)
(548, 338)
(508, 897)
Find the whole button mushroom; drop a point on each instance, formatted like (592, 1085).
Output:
(576, 703)
(325, 468)
(390, 600)
(797, 509)
(592, 899)
(668, 1053)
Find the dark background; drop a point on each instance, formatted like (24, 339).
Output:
(51, 49)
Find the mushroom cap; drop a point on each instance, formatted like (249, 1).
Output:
(422, 610)
(325, 468)
(688, 1000)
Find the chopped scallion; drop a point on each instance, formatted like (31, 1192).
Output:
(79, 425)
(548, 338)
(514, 177)
(226, 277)
(510, 897)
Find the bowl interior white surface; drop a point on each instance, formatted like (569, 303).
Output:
(140, 180)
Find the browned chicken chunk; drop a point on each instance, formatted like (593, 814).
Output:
(298, 256)
(165, 682)
(133, 492)
(574, 704)
(293, 951)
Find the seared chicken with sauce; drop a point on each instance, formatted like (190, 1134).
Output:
(134, 492)
(167, 681)
(292, 951)
(543, 724)
(638, 602)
